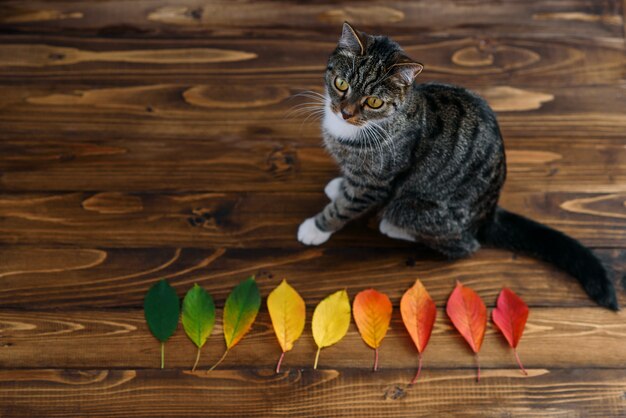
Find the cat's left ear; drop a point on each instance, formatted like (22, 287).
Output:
(405, 70)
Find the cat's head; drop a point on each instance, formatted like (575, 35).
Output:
(367, 80)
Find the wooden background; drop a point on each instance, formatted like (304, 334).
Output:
(147, 139)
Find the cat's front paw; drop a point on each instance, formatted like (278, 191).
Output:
(333, 188)
(310, 234)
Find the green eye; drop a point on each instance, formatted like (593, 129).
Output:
(341, 84)
(374, 102)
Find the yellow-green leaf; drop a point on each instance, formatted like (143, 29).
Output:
(240, 311)
(288, 312)
(331, 320)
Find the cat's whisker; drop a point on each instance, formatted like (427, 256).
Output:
(304, 108)
(373, 128)
(309, 94)
(305, 92)
(386, 140)
(312, 111)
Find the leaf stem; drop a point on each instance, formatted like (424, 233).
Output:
(162, 355)
(419, 369)
(219, 361)
(317, 357)
(376, 359)
(519, 363)
(193, 369)
(478, 366)
(280, 361)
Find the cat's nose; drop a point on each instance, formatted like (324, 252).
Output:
(346, 114)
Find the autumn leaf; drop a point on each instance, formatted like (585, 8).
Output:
(468, 313)
(418, 314)
(331, 320)
(372, 314)
(162, 309)
(510, 317)
(198, 317)
(287, 312)
(240, 311)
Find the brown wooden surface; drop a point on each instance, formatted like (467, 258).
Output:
(150, 139)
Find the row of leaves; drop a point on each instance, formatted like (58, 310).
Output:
(331, 318)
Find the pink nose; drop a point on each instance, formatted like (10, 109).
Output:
(346, 115)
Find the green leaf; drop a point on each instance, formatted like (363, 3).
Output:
(162, 309)
(242, 306)
(198, 315)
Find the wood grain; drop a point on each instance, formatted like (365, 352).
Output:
(214, 17)
(262, 162)
(554, 337)
(252, 220)
(490, 60)
(322, 393)
(75, 278)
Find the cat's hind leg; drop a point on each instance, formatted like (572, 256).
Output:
(387, 228)
(434, 225)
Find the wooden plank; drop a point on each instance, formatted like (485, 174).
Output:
(146, 18)
(254, 220)
(221, 96)
(262, 163)
(488, 60)
(239, 107)
(75, 278)
(554, 337)
(324, 393)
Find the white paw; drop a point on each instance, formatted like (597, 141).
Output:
(392, 231)
(333, 187)
(310, 234)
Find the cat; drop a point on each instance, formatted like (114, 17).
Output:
(430, 158)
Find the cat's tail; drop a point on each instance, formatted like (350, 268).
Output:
(517, 233)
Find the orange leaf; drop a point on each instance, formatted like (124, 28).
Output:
(510, 317)
(469, 315)
(418, 314)
(372, 314)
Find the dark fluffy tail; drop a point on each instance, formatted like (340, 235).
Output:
(517, 233)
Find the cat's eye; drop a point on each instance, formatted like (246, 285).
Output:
(341, 84)
(374, 102)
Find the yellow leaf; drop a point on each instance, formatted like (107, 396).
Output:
(288, 313)
(331, 320)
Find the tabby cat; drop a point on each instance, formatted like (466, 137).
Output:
(430, 158)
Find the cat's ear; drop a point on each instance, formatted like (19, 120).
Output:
(352, 40)
(405, 70)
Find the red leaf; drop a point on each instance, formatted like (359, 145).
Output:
(468, 313)
(510, 317)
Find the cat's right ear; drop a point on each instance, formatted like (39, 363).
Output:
(405, 70)
(352, 40)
